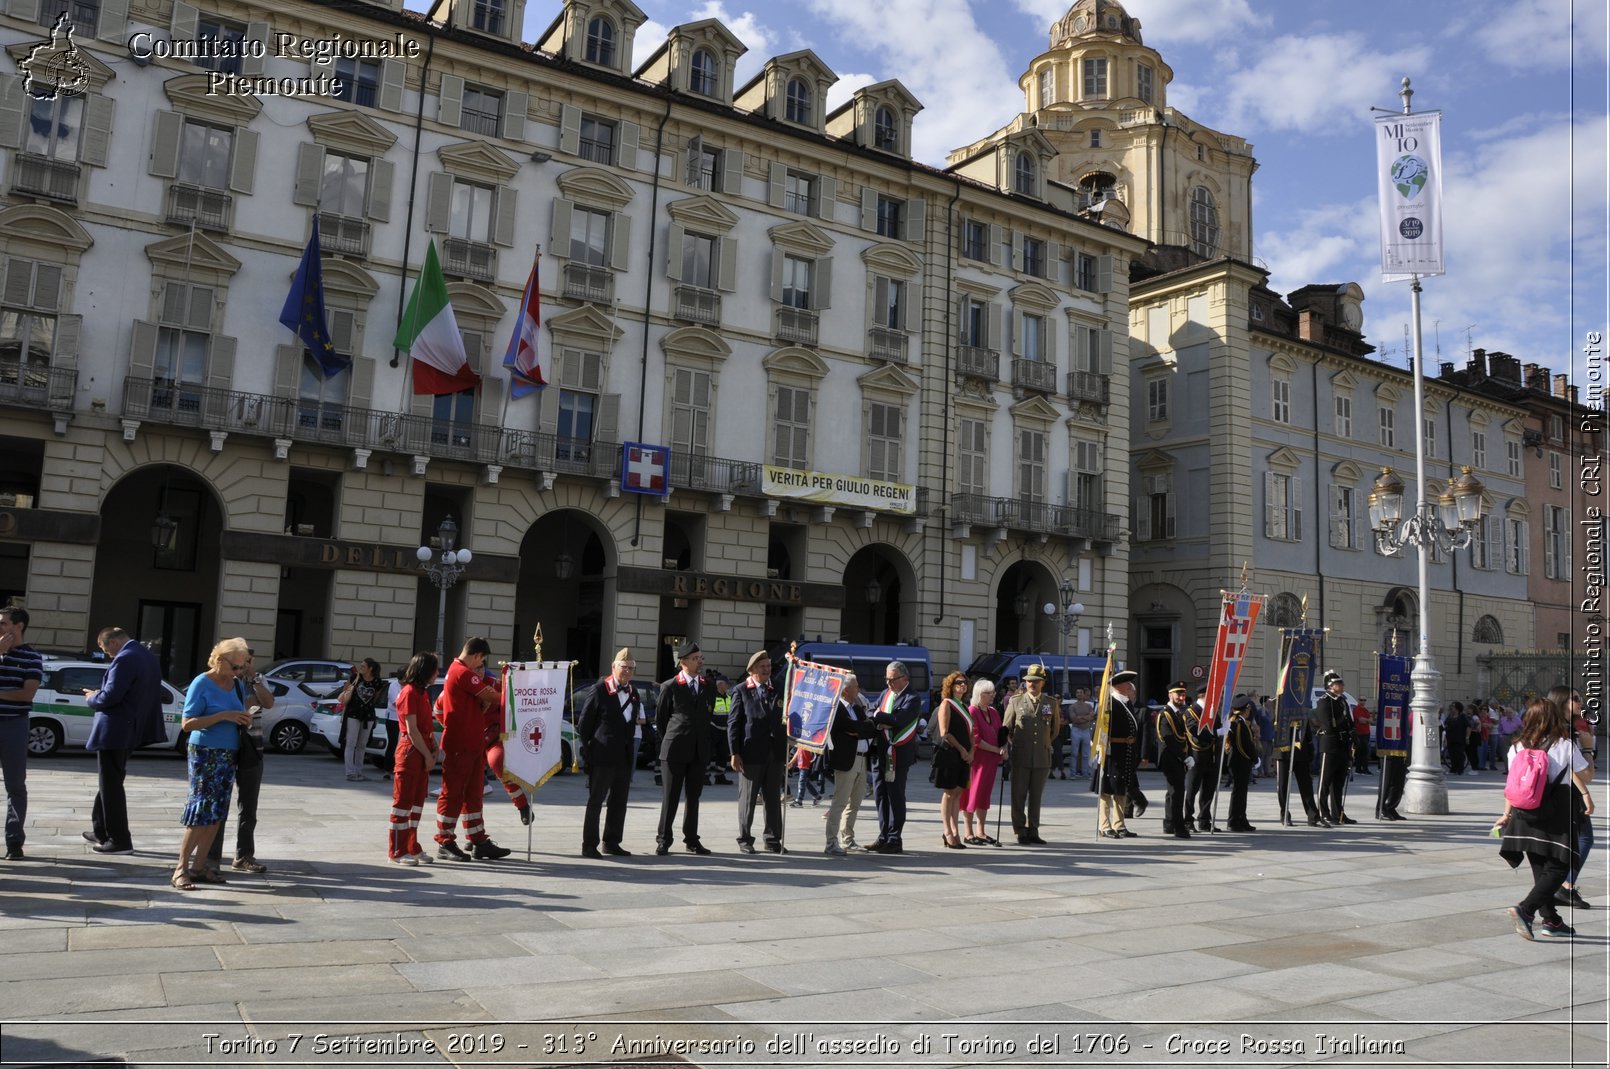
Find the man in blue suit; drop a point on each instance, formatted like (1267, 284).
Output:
(128, 715)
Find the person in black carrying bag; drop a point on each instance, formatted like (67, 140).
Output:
(1543, 835)
(364, 692)
(255, 696)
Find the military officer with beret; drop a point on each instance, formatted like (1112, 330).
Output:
(758, 739)
(1331, 727)
(1174, 759)
(1030, 723)
(682, 724)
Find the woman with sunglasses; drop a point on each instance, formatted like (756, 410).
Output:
(215, 715)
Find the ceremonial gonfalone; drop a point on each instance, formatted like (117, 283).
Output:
(1235, 629)
(533, 721)
(813, 695)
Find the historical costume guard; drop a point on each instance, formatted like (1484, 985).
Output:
(1030, 723)
(1120, 757)
(682, 724)
(898, 713)
(1291, 763)
(1206, 748)
(1242, 753)
(758, 738)
(1174, 759)
(1331, 726)
(609, 715)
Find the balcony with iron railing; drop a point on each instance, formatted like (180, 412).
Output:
(888, 345)
(1035, 517)
(37, 386)
(469, 259)
(1034, 375)
(343, 234)
(1088, 386)
(698, 304)
(796, 325)
(208, 209)
(718, 475)
(41, 176)
(588, 282)
(974, 362)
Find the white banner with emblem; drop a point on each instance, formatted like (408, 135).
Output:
(533, 721)
(839, 491)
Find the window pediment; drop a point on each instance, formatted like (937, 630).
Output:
(1034, 295)
(1387, 394)
(889, 380)
(1479, 418)
(796, 363)
(703, 214)
(583, 326)
(344, 130)
(697, 344)
(1343, 380)
(1284, 459)
(96, 73)
(188, 93)
(891, 259)
(972, 287)
(1035, 410)
(50, 226)
(1281, 364)
(346, 277)
(470, 298)
(802, 236)
(1346, 472)
(1517, 507)
(1154, 460)
(1030, 140)
(593, 185)
(473, 159)
(194, 253)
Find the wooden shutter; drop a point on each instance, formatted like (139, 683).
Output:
(992, 314)
(827, 196)
(1104, 274)
(774, 185)
(165, 144)
(26, 10)
(822, 284)
(512, 123)
(732, 171)
(185, 21)
(727, 277)
(438, 202)
(620, 241)
(673, 252)
(450, 100)
(559, 228)
(309, 173)
(916, 228)
(627, 135)
(381, 179)
(243, 167)
(607, 427)
(114, 20)
(221, 362)
(569, 131)
(997, 237)
(1295, 502)
(489, 400)
(869, 209)
(692, 170)
(503, 216)
(1015, 342)
(777, 275)
(548, 409)
(362, 387)
(98, 111)
(287, 370)
(1271, 524)
(393, 73)
(257, 48)
(14, 108)
(143, 350)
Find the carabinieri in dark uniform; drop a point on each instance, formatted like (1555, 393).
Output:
(1242, 754)
(1331, 726)
(1174, 748)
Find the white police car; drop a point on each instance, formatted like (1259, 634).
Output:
(61, 715)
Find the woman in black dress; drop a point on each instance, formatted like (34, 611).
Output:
(953, 755)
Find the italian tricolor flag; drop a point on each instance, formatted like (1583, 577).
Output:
(429, 333)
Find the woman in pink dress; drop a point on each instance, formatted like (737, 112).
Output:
(986, 758)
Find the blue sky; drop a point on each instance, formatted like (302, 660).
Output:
(1521, 85)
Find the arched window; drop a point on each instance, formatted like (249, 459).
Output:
(1285, 611)
(1023, 174)
(601, 42)
(1204, 222)
(885, 134)
(798, 103)
(1488, 630)
(702, 79)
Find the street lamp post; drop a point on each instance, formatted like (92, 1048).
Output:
(1065, 621)
(444, 572)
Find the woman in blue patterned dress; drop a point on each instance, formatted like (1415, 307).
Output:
(215, 714)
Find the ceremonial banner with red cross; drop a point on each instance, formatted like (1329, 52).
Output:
(646, 469)
(533, 721)
(1235, 628)
(1392, 697)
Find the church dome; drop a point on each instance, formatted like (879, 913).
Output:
(1104, 18)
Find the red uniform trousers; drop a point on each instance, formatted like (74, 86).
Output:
(494, 761)
(463, 779)
(409, 785)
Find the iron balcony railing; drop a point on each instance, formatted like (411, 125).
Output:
(694, 471)
(1038, 517)
(42, 176)
(343, 234)
(469, 259)
(888, 345)
(1088, 386)
(976, 363)
(207, 208)
(35, 386)
(796, 325)
(698, 304)
(587, 282)
(1035, 375)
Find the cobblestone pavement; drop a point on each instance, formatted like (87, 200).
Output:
(1284, 947)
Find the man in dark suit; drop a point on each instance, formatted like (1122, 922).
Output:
(609, 716)
(128, 715)
(682, 724)
(898, 713)
(758, 738)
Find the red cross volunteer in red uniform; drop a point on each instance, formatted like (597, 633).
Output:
(462, 710)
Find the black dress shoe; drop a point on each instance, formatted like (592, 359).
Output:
(875, 847)
(1140, 807)
(1182, 835)
(1347, 819)
(614, 850)
(1110, 835)
(1037, 841)
(1286, 821)
(776, 848)
(487, 850)
(1127, 834)
(1242, 827)
(661, 850)
(746, 848)
(699, 848)
(591, 853)
(1024, 840)
(111, 848)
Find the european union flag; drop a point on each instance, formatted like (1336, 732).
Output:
(304, 309)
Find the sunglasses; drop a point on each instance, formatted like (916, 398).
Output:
(241, 667)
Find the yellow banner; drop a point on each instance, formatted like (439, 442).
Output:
(839, 491)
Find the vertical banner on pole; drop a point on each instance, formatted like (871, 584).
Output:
(1392, 696)
(533, 721)
(1229, 650)
(813, 698)
(1301, 649)
(1408, 163)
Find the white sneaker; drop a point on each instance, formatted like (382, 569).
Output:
(423, 858)
(405, 859)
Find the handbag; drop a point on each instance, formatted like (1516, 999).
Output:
(250, 754)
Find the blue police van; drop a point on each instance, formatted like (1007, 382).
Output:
(868, 662)
(1065, 674)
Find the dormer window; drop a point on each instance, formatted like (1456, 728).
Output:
(487, 16)
(1023, 174)
(885, 131)
(702, 73)
(601, 42)
(797, 107)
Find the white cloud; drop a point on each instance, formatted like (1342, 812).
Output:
(649, 36)
(963, 100)
(1525, 34)
(1166, 20)
(1310, 83)
(847, 85)
(761, 39)
(1325, 245)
